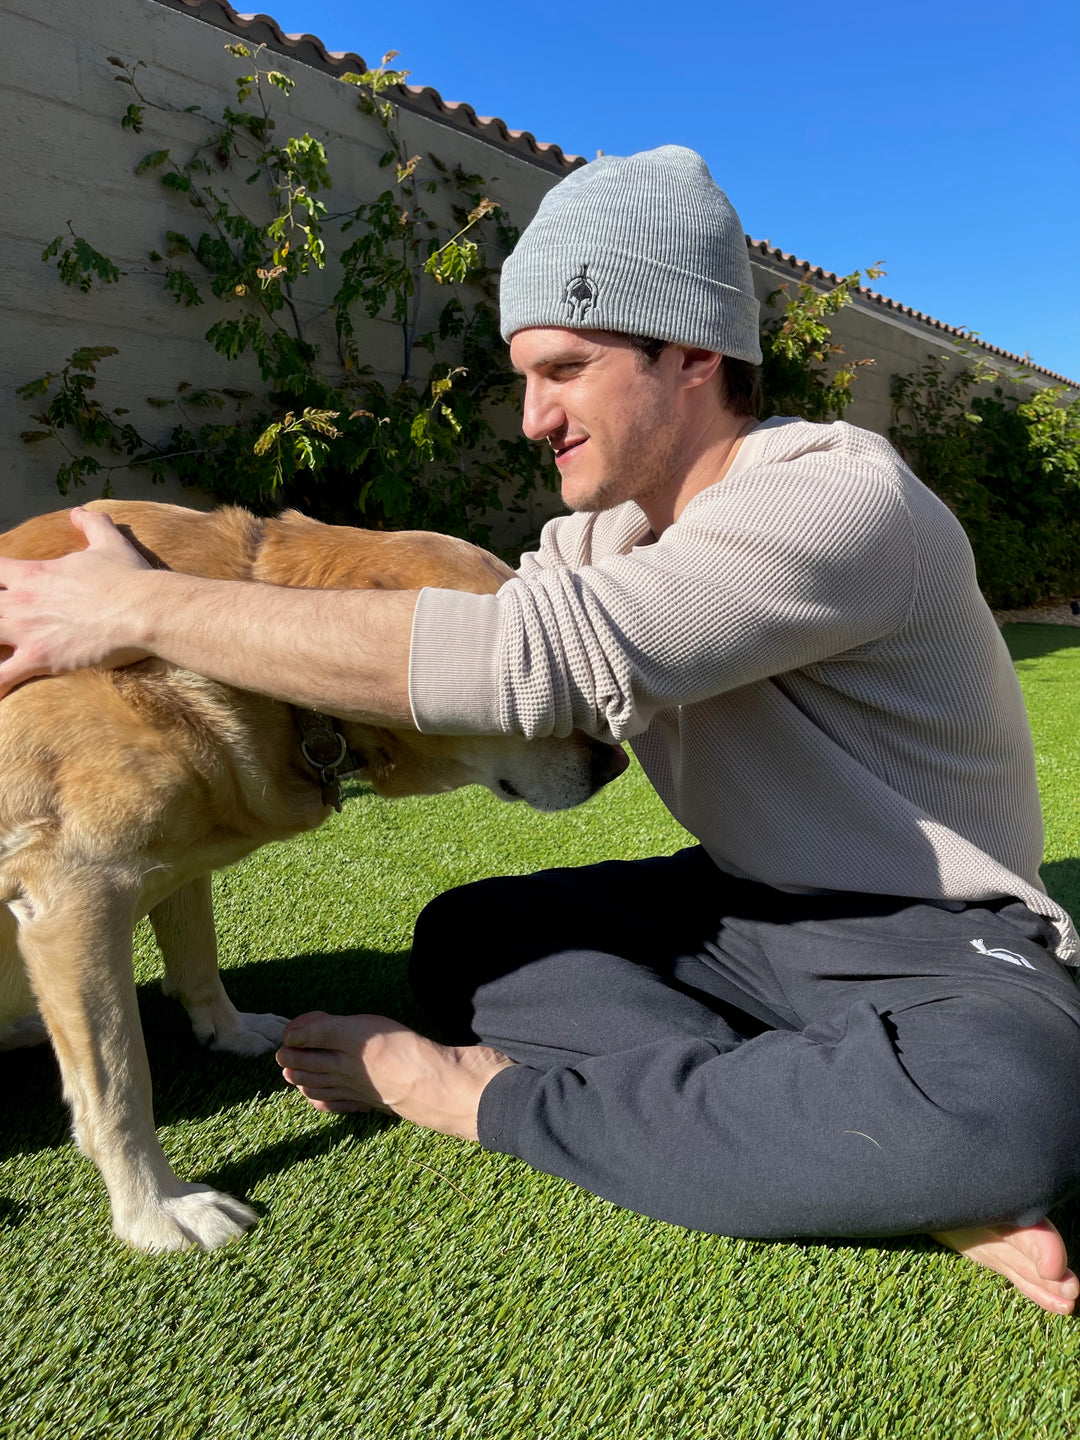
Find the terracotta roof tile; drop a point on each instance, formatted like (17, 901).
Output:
(309, 50)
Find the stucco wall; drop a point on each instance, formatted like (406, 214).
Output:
(60, 111)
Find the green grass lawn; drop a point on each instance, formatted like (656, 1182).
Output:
(404, 1285)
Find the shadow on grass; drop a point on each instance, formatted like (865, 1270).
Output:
(12, 1213)
(1029, 642)
(1062, 880)
(191, 1083)
(241, 1175)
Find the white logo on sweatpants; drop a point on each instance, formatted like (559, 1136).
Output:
(1009, 955)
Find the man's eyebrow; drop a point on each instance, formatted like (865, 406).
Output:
(555, 359)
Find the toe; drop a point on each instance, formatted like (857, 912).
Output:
(1043, 1249)
(321, 1062)
(1033, 1258)
(307, 1029)
(1049, 1298)
(332, 1099)
(303, 1074)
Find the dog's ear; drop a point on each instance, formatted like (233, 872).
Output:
(299, 551)
(219, 544)
(232, 544)
(45, 537)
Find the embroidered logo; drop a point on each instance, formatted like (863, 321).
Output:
(1009, 955)
(580, 296)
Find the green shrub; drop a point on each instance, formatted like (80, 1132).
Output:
(322, 432)
(1008, 464)
(799, 373)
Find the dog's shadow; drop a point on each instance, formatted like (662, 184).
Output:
(191, 1083)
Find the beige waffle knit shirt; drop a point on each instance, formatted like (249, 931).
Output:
(803, 664)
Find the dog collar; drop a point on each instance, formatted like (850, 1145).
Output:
(326, 750)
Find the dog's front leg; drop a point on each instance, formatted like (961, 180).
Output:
(184, 925)
(75, 940)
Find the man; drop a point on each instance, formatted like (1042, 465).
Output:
(845, 1012)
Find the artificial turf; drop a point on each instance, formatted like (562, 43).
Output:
(400, 1284)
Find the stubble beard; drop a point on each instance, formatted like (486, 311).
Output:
(644, 465)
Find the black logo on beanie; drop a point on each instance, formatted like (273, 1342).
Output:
(580, 296)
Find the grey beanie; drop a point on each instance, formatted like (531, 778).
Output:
(646, 245)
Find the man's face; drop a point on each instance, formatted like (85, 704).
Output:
(612, 419)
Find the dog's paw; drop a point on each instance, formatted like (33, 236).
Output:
(195, 1217)
(251, 1035)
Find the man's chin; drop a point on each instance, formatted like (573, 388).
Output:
(603, 495)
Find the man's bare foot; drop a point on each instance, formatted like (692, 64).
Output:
(367, 1062)
(1033, 1257)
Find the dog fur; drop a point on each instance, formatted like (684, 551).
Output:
(124, 789)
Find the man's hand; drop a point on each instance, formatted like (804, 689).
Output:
(342, 651)
(60, 615)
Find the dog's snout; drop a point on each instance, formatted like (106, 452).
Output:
(608, 763)
(555, 774)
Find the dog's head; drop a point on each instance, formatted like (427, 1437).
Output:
(548, 774)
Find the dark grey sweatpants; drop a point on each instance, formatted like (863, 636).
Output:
(719, 1054)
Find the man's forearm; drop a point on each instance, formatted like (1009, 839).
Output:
(342, 651)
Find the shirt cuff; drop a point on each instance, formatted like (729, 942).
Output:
(453, 663)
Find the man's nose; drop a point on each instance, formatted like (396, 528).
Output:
(541, 416)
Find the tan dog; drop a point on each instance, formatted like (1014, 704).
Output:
(123, 789)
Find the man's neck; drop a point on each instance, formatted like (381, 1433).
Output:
(709, 458)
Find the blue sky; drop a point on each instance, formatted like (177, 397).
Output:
(939, 138)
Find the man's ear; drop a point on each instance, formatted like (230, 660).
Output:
(698, 366)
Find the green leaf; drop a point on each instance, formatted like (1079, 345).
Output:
(151, 161)
(40, 386)
(86, 357)
(269, 436)
(182, 288)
